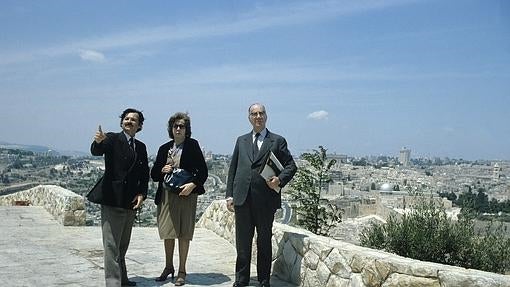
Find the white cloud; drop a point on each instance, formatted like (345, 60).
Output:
(261, 18)
(318, 115)
(93, 56)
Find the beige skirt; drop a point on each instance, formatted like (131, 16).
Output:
(176, 215)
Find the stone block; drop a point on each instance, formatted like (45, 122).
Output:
(337, 281)
(403, 280)
(311, 259)
(338, 265)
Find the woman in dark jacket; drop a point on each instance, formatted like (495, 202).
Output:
(176, 212)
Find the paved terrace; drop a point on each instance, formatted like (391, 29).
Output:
(35, 250)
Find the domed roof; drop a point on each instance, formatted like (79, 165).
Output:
(386, 187)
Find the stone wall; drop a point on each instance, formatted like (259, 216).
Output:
(18, 187)
(306, 259)
(67, 207)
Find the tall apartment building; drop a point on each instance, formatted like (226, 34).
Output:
(405, 156)
(496, 171)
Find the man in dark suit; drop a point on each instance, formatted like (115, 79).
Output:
(124, 188)
(254, 199)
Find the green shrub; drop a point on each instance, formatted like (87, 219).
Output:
(426, 233)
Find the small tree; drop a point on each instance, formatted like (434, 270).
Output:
(314, 214)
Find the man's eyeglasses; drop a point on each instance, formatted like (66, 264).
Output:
(176, 126)
(257, 114)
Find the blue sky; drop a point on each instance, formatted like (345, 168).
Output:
(358, 77)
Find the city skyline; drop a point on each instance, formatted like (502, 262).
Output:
(357, 77)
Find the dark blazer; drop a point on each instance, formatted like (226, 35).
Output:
(192, 160)
(126, 172)
(243, 175)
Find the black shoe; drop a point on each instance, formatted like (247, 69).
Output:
(164, 275)
(265, 283)
(129, 283)
(239, 284)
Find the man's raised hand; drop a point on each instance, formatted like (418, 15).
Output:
(100, 136)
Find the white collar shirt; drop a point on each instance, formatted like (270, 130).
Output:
(260, 139)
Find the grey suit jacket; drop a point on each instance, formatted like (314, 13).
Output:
(243, 175)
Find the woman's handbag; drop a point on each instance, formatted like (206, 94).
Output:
(173, 181)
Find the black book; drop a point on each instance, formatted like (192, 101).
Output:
(271, 168)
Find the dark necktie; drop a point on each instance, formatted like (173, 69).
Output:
(255, 145)
(132, 144)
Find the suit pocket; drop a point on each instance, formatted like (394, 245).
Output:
(117, 195)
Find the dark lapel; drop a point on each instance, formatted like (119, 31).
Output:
(247, 141)
(266, 146)
(126, 149)
(170, 146)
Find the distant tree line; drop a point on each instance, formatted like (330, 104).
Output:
(16, 151)
(477, 203)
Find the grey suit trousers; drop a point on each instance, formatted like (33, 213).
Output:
(116, 224)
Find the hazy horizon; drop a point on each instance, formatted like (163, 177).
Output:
(357, 77)
(153, 153)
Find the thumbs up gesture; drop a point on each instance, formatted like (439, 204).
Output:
(100, 136)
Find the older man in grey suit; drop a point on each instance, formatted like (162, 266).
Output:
(254, 199)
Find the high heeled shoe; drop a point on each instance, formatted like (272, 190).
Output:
(164, 275)
(181, 278)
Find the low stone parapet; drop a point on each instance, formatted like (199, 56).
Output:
(306, 259)
(67, 207)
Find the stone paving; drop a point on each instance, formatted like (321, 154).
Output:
(35, 250)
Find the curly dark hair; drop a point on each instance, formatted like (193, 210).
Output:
(179, 116)
(131, 110)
